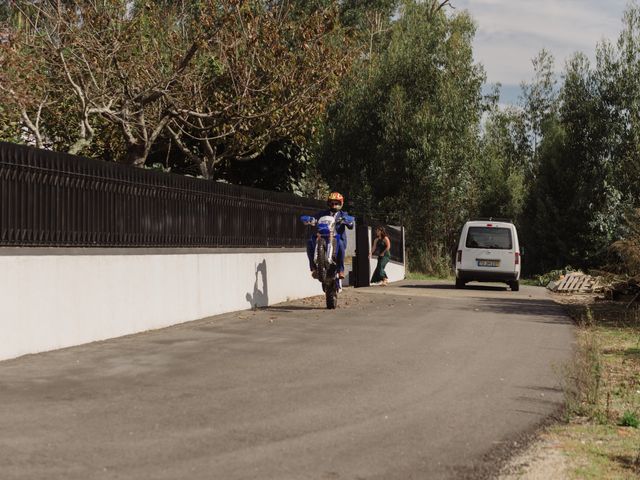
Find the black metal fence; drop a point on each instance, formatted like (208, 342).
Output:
(55, 199)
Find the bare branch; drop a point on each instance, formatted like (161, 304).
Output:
(33, 128)
(441, 5)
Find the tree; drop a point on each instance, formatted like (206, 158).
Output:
(596, 208)
(265, 79)
(401, 137)
(503, 165)
(573, 210)
(221, 80)
(619, 78)
(540, 100)
(546, 235)
(96, 63)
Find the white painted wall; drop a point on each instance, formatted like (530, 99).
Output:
(50, 299)
(395, 271)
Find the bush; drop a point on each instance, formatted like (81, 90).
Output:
(628, 249)
(630, 419)
(553, 276)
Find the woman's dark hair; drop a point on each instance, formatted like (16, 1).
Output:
(382, 230)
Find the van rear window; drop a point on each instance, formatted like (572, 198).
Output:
(489, 237)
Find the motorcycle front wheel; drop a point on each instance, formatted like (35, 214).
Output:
(321, 262)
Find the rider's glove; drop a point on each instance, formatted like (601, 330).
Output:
(348, 220)
(308, 220)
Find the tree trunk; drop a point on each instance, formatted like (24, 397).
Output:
(207, 165)
(204, 170)
(136, 154)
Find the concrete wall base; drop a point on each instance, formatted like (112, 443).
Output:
(55, 298)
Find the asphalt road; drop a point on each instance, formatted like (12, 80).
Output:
(411, 381)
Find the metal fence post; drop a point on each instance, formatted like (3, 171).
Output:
(361, 267)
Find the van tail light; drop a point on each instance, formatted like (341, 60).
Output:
(459, 256)
(517, 258)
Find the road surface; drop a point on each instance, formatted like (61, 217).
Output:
(411, 381)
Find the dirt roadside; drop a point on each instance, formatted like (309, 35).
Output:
(543, 459)
(601, 438)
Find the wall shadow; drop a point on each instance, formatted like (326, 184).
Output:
(259, 298)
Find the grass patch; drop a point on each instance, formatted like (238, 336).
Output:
(602, 392)
(600, 452)
(424, 276)
(630, 419)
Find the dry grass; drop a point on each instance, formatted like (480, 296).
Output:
(602, 388)
(599, 452)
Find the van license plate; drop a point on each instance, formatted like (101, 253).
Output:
(488, 263)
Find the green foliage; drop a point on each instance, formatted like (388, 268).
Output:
(206, 83)
(587, 157)
(630, 419)
(622, 70)
(627, 249)
(5, 10)
(401, 138)
(501, 169)
(422, 276)
(358, 13)
(9, 127)
(283, 167)
(540, 97)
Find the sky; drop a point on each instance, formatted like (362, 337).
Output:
(511, 32)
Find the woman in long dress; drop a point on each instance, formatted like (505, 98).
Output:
(381, 249)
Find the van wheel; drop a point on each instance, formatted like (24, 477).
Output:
(460, 283)
(515, 285)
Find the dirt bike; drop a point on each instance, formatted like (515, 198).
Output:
(324, 256)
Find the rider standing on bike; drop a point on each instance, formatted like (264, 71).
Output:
(335, 201)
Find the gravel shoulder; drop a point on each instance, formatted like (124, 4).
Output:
(542, 459)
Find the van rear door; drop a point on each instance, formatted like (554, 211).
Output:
(491, 247)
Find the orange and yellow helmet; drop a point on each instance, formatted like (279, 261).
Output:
(335, 200)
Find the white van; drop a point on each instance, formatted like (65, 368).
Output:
(488, 251)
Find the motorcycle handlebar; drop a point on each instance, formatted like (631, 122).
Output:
(346, 219)
(307, 220)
